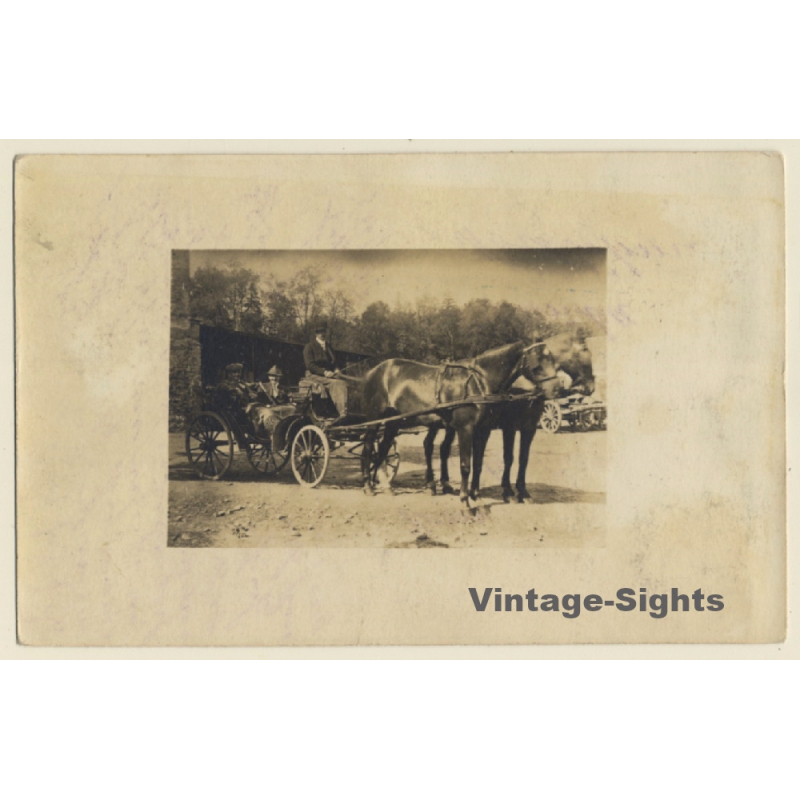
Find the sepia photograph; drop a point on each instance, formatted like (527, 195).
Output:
(387, 398)
(428, 399)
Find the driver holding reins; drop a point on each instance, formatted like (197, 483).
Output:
(320, 364)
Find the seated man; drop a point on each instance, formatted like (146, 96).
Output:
(321, 366)
(233, 394)
(271, 404)
(232, 382)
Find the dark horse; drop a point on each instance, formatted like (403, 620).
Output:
(572, 357)
(417, 392)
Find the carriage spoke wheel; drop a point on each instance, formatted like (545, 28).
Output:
(391, 463)
(264, 459)
(209, 445)
(311, 452)
(550, 420)
(589, 420)
(586, 421)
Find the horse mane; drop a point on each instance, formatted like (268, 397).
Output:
(498, 351)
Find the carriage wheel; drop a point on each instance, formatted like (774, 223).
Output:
(310, 454)
(550, 420)
(209, 445)
(391, 462)
(264, 459)
(586, 421)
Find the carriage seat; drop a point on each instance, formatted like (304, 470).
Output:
(331, 397)
(321, 403)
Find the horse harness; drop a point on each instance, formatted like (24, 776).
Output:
(477, 378)
(474, 377)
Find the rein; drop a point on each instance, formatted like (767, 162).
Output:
(533, 346)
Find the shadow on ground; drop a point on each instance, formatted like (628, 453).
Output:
(344, 472)
(542, 493)
(421, 541)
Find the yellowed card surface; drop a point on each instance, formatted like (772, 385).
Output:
(657, 503)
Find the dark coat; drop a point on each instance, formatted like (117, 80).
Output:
(318, 358)
(278, 395)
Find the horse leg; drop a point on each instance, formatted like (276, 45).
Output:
(444, 456)
(366, 458)
(508, 461)
(525, 439)
(430, 480)
(479, 441)
(528, 426)
(389, 435)
(465, 438)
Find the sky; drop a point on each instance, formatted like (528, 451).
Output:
(534, 279)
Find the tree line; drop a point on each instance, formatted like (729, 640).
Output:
(429, 330)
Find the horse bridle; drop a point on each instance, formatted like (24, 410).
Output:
(518, 370)
(579, 380)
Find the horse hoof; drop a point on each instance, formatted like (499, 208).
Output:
(369, 491)
(431, 487)
(447, 488)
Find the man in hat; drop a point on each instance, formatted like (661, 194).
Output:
(232, 381)
(273, 388)
(321, 366)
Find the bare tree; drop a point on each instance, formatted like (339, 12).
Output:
(305, 293)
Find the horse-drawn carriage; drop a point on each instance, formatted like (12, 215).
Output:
(300, 431)
(469, 398)
(577, 411)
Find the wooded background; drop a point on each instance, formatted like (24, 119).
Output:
(237, 298)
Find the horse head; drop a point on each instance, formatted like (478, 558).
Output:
(538, 365)
(501, 366)
(573, 357)
(579, 367)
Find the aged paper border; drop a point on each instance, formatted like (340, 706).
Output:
(790, 152)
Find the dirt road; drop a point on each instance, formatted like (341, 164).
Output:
(566, 478)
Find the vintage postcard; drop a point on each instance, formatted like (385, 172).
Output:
(298, 366)
(411, 399)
